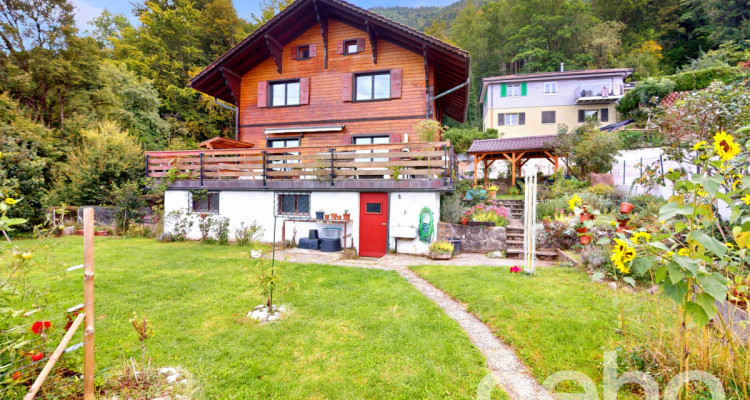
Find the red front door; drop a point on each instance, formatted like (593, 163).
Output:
(373, 224)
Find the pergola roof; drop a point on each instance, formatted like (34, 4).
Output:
(527, 143)
(224, 143)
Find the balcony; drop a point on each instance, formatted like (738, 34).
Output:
(403, 166)
(598, 94)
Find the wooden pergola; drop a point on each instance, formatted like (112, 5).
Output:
(517, 151)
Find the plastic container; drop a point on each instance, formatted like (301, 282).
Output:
(331, 233)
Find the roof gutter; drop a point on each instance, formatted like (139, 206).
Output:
(449, 91)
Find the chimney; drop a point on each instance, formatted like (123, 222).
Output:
(562, 67)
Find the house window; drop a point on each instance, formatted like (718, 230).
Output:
(374, 86)
(284, 93)
(281, 143)
(548, 117)
(511, 119)
(204, 202)
(297, 204)
(591, 114)
(365, 140)
(514, 90)
(374, 208)
(550, 88)
(351, 47)
(303, 52)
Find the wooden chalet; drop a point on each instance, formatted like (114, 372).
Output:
(319, 90)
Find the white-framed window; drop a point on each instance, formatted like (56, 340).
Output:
(514, 90)
(285, 93)
(550, 87)
(511, 119)
(365, 140)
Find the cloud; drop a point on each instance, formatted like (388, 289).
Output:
(85, 12)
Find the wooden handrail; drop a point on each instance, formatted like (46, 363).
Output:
(55, 356)
(301, 149)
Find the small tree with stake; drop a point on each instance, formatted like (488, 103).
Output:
(269, 281)
(145, 331)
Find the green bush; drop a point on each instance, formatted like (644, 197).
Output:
(463, 138)
(632, 140)
(700, 79)
(649, 93)
(451, 208)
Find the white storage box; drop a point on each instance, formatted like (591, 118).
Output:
(331, 233)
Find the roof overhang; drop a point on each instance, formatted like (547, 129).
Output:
(224, 143)
(598, 100)
(304, 129)
(451, 64)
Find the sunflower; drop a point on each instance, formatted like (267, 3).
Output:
(682, 252)
(725, 146)
(746, 199)
(10, 201)
(736, 184)
(638, 235)
(573, 202)
(699, 145)
(622, 255)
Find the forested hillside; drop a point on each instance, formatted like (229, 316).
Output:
(78, 107)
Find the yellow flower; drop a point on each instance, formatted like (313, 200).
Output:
(725, 146)
(10, 201)
(682, 252)
(736, 184)
(26, 255)
(623, 269)
(622, 254)
(613, 223)
(729, 245)
(573, 202)
(746, 199)
(699, 145)
(638, 235)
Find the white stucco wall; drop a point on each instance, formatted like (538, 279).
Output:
(258, 206)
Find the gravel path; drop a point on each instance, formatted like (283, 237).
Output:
(514, 377)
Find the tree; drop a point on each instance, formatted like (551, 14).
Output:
(463, 138)
(108, 157)
(587, 149)
(439, 30)
(268, 9)
(108, 28)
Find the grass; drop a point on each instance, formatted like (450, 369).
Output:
(509, 197)
(351, 333)
(557, 320)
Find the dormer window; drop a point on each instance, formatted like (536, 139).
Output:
(303, 52)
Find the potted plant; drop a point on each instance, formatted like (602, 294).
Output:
(441, 250)
(334, 216)
(347, 216)
(622, 219)
(626, 208)
(492, 192)
(320, 214)
(581, 228)
(465, 220)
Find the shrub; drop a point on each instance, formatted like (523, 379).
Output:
(205, 223)
(246, 235)
(648, 93)
(429, 130)
(602, 190)
(221, 229)
(441, 247)
(700, 79)
(181, 224)
(463, 138)
(490, 211)
(451, 208)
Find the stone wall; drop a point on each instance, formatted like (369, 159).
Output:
(474, 239)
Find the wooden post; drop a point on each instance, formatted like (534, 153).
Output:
(485, 173)
(88, 300)
(52, 360)
(476, 172)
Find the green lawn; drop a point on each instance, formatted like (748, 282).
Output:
(351, 333)
(557, 320)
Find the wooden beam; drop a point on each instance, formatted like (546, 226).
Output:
(476, 163)
(373, 41)
(276, 50)
(426, 80)
(234, 82)
(485, 173)
(323, 22)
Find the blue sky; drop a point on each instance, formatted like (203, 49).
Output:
(86, 10)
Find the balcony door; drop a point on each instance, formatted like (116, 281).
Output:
(282, 143)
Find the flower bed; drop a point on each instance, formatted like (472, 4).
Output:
(490, 212)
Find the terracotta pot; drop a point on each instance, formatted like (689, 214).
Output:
(101, 233)
(585, 240)
(464, 220)
(334, 216)
(621, 229)
(622, 222)
(492, 194)
(327, 216)
(347, 217)
(582, 230)
(626, 208)
(586, 217)
(79, 232)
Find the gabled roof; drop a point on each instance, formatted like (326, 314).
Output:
(451, 64)
(539, 76)
(526, 143)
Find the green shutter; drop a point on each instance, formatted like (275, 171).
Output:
(523, 88)
(503, 90)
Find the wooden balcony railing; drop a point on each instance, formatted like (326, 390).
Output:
(394, 161)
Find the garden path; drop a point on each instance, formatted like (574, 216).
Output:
(507, 369)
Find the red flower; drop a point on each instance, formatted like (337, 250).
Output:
(17, 375)
(515, 269)
(37, 356)
(40, 326)
(203, 215)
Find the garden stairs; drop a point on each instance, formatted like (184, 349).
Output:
(514, 233)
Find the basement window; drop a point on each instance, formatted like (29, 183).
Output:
(204, 202)
(294, 204)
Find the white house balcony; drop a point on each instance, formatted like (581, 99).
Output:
(599, 94)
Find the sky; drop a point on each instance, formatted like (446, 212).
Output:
(86, 10)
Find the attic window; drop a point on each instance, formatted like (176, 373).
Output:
(351, 47)
(303, 52)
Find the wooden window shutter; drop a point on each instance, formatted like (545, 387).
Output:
(346, 86)
(501, 119)
(581, 115)
(346, 140)
(395, 138)
(522, 118)
(304, 90)
(313, 51)
(503, 90)
(262, 94)
(360, 45)
(604, 115)
(294, 52)
(340, 47)
(523, 88)
(396, 83)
